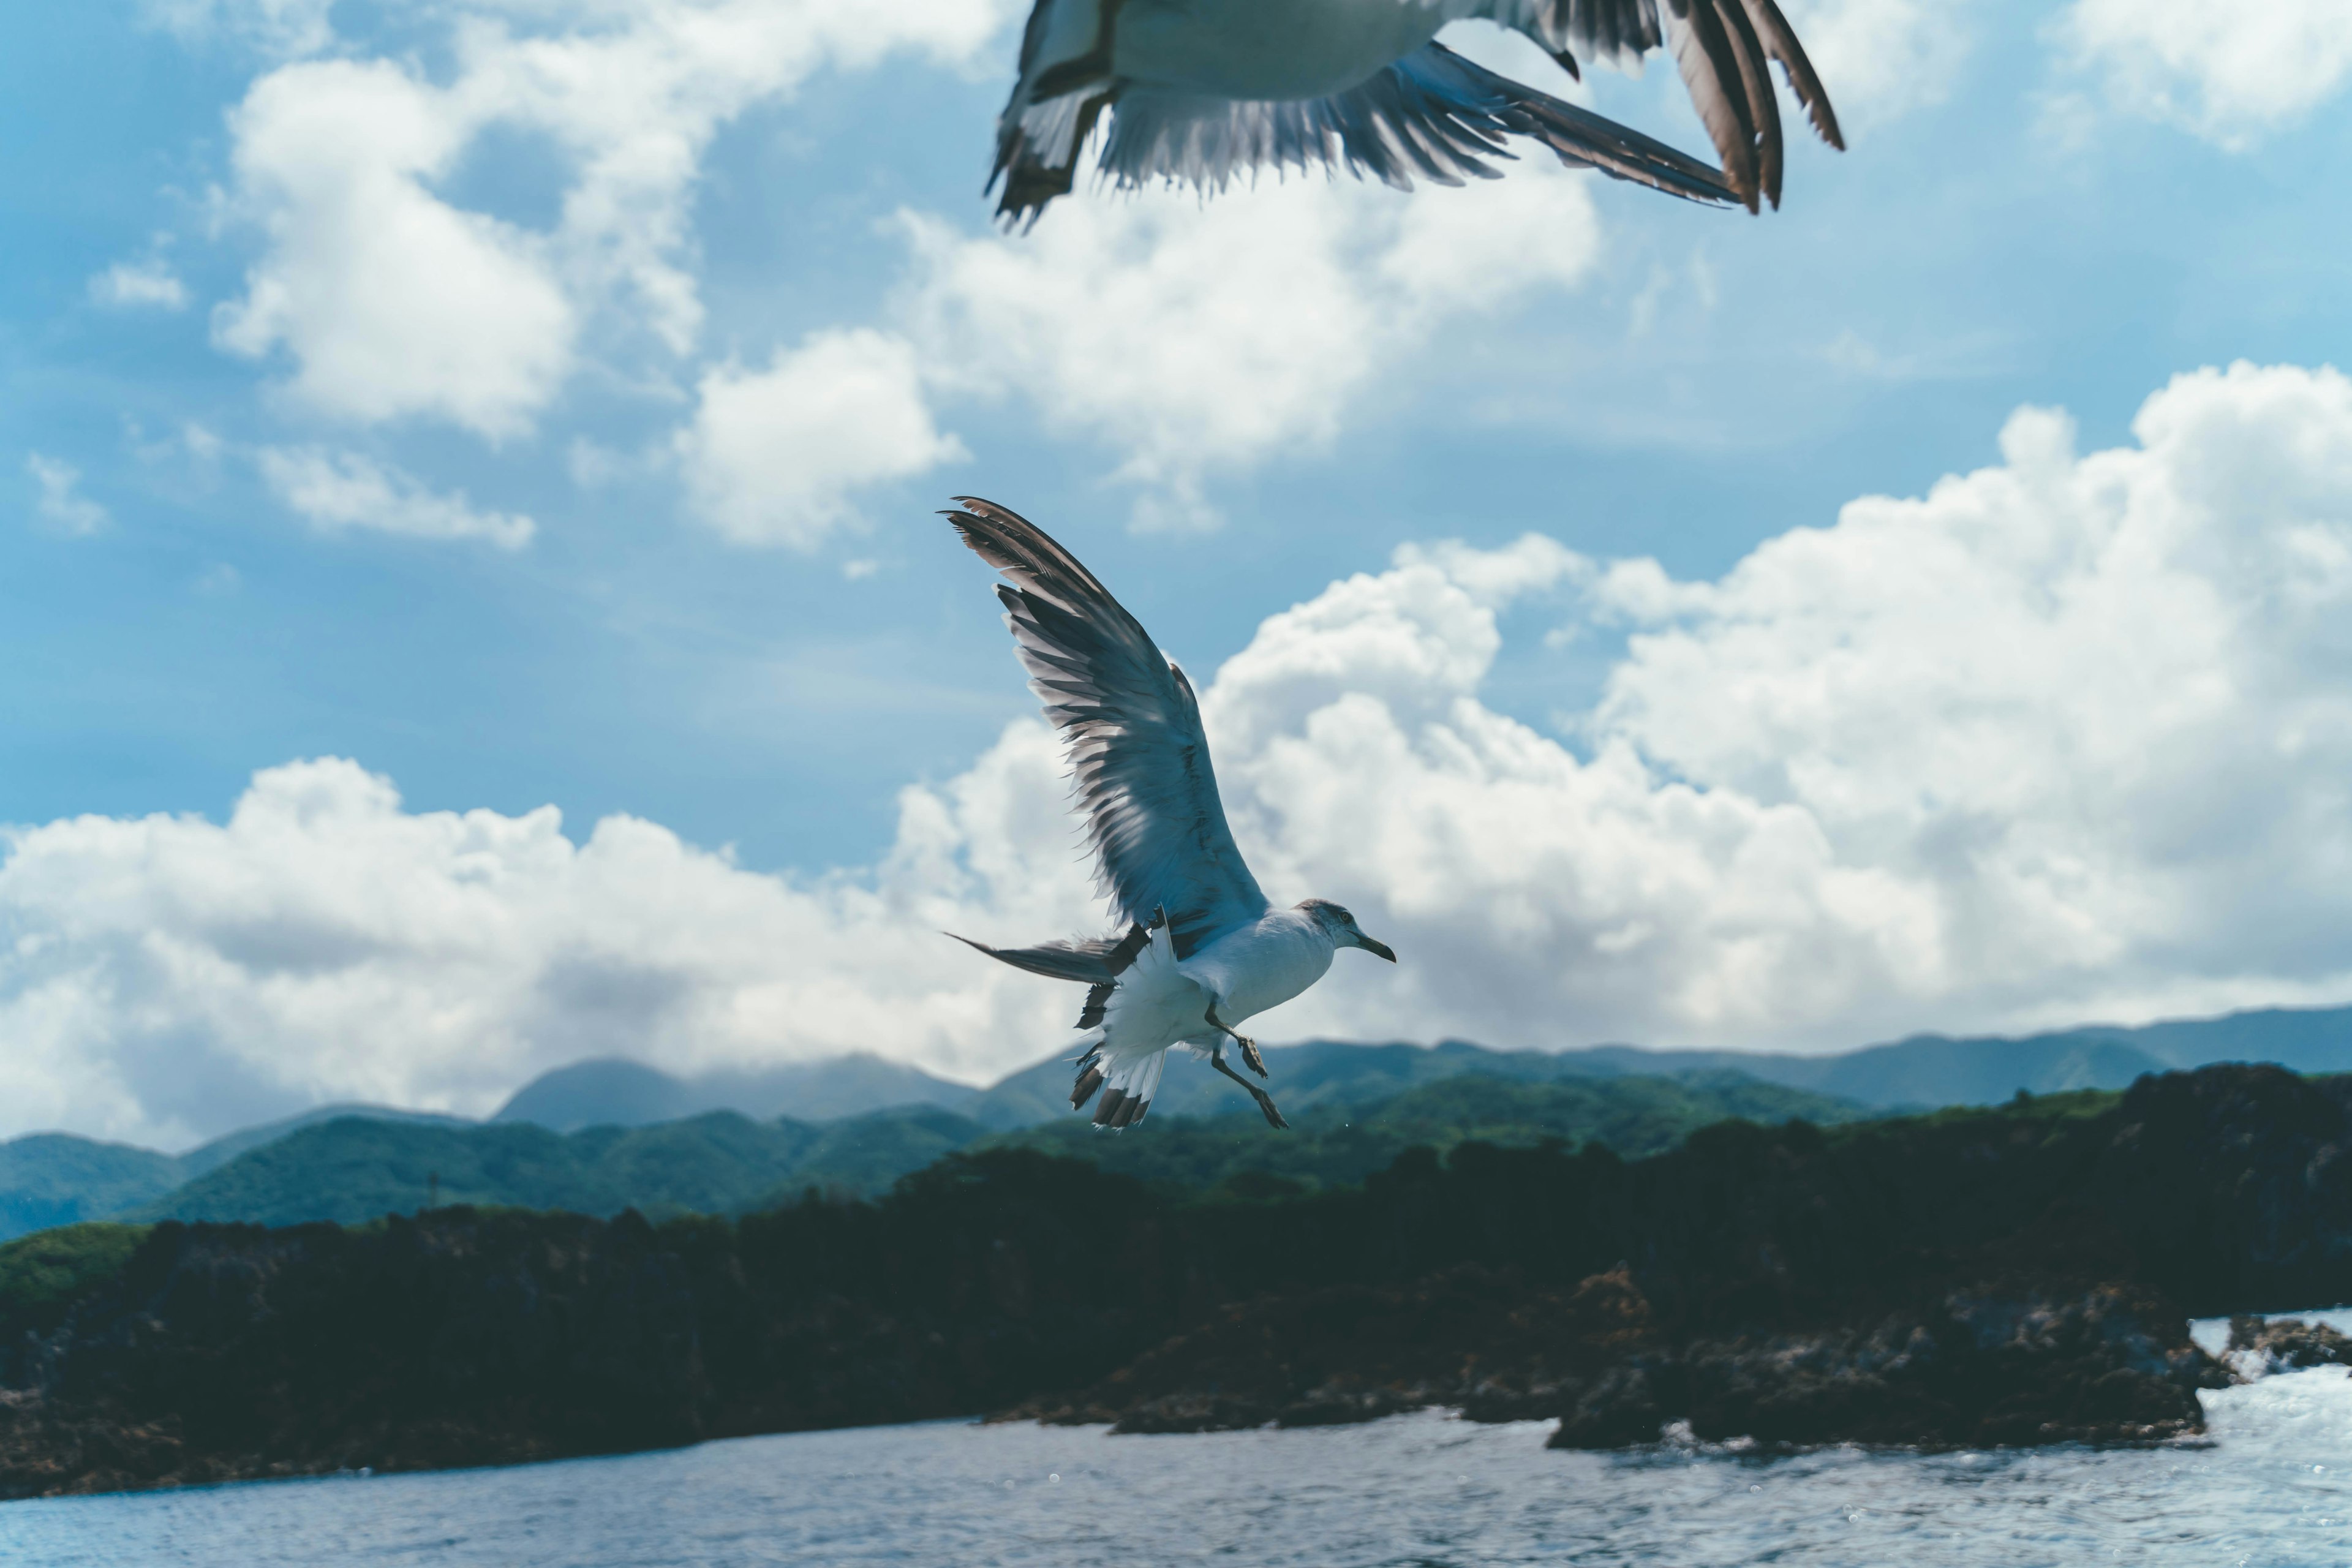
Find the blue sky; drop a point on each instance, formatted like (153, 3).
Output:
(250, 528)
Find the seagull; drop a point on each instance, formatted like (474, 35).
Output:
(1203, 950)
(1201, 91)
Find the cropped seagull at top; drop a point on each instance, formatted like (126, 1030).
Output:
(1203, 950)
(1204, 90)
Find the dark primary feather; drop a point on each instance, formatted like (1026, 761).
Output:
(1138, 756)
(1721, 47)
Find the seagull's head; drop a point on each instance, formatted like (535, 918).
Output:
(1342, 929)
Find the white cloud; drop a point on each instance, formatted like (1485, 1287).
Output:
(145, 285)
(2066, 737)
(773, 456)
(335, 490)
(393, 301)
(1880, 59)
(1200, 337)
(2231, 73)
(61, 503)
(164, 975)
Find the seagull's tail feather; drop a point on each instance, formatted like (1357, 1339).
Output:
(1128, 1088)
(1037, 151)
(1090, 1077)
(1091, 961)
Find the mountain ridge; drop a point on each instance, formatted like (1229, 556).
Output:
(50, 1179)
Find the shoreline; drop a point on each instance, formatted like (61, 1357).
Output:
(2021, 1274)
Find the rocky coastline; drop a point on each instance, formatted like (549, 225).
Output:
(2013, 1276)
(2111, 1365)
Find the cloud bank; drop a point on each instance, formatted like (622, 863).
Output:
(2066, 737)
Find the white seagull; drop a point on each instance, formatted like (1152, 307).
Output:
(1203, 950)
(1202, 90)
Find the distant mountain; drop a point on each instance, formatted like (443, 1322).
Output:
(1936, 1069)
(355, 1169)
(221, 1149)
(56, 1178)
(838, 1139)
(1921, 1072)
(611, 1091)
(1304, 1077)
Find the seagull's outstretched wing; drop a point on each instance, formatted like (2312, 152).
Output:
(1432, 114)
(1127, 716)
(1721, 47)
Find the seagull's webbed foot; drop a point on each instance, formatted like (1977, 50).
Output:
(1265, 1100)
(1255, 1062)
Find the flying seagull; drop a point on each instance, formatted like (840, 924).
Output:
(1203, 950)
(1202, 91)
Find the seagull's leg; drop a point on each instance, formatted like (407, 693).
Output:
(1250, 1058)
(1265, 1100)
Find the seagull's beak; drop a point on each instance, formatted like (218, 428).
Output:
(1377, 949)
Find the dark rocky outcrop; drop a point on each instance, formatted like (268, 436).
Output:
(2288, 1342)
(2017, 1275)
(2109, 1365)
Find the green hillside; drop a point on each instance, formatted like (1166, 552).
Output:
(353, 1169)
(54, 1178)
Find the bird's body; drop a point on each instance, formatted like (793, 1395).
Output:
(1203, 91)
(1203, 948)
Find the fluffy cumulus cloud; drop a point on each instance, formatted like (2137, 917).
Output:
(1196, 337)
(1189, 338)
(336, 491)
(2231, 72)
(773, 456)
(389, 300)
(2068, 737)
(164, 976)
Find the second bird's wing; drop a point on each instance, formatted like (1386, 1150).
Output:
(1432, 114)
(1127, 716)
(1720, 46)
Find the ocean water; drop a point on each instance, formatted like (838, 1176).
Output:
(2269, 1486)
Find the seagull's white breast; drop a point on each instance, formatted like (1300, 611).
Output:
(1261, 964)
(1265, 48)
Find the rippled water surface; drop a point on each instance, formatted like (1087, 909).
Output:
(2271, 1486)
